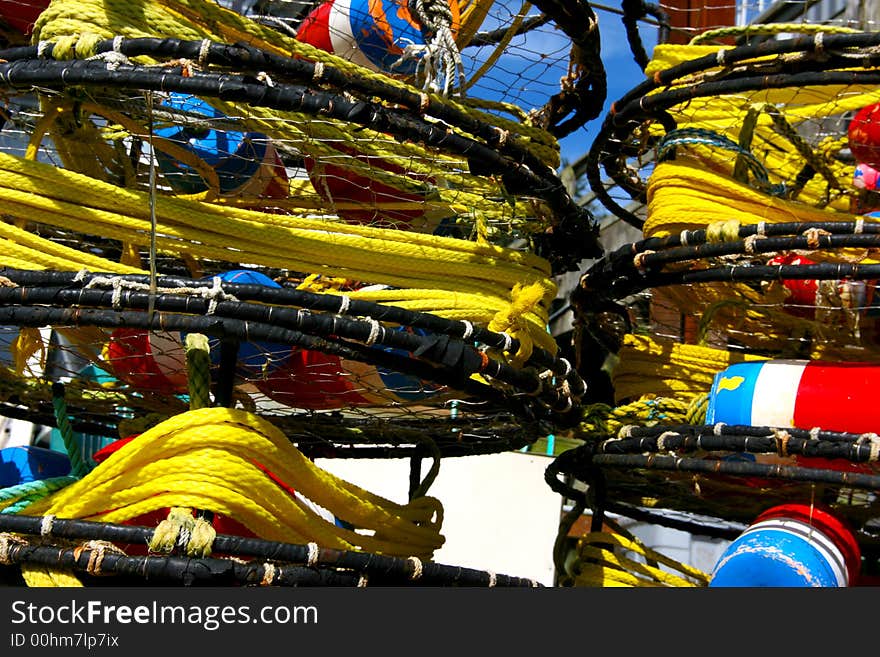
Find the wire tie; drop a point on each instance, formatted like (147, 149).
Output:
(96, 557)
(263, 77)
(749, 243)
(362, 582)
(814, 433)
(819, 41)
(212, 293)
(468, 329)
(661, 440)
(719, 56)
(6, 539)
(782, 437)
(117, 292)
(508, 341)
(41, 48)
(493, 579)
(318, 71)
(424, 101)
(718, 427)
(860, 226)
(761, 229)
(683, 237)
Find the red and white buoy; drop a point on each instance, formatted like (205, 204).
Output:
(803, 394)
(374, 34)
(152, 361)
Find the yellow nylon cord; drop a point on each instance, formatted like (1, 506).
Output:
(682, 195)
(206, 459)
(494, 277)
(600, 564)
(667, 368)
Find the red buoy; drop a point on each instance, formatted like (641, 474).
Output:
(153, 361)
(21, 15)
(864, 135)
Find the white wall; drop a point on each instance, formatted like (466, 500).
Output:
(499, 513)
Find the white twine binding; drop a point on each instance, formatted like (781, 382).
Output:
(313, 554)
(375, 331)
(203, 51)
(417, 567)
(46, 525)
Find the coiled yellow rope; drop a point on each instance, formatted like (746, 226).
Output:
(75, 26)
(682, 195)
(602, 561)
(726, 113)
(667, 368)
(217, 459)
(454, 278)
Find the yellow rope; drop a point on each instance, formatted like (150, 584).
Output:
(47, 577)
(656, 366)
(463, 274)
(601, 562)
(207, 459)
(76, 26)
(682, 195)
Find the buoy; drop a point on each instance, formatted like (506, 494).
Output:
(339, 185)
(803, 394)
(315, 380)
(803, 294)
(866, 177)
(791, 545)
(246, 163)
(152, 361)
(372, 34)
(864, 135)
(155, 361)
(25, 463)
(369, 33)
(21, 15)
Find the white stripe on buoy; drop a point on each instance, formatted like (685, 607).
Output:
(776, 390)
(826, 548)
(344, 43)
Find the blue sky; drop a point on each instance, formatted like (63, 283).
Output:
(529, 71)
(622, 71)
